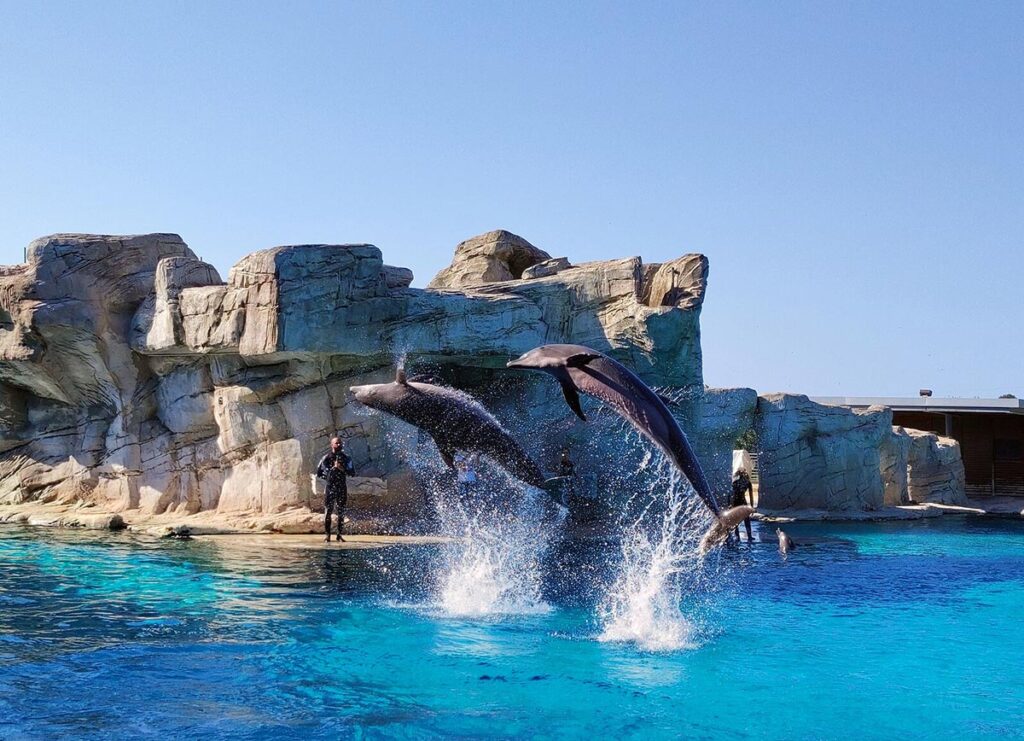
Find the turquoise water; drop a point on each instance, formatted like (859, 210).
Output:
(866, 630)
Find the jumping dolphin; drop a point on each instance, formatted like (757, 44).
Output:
(720, 528)
(456, 421)
(582, 369)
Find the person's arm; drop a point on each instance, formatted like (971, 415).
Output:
(323, 467)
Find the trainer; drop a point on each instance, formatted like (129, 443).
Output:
(337, 488)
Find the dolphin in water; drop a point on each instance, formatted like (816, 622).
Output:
(582, 369)
(455, 421)
(786, 543)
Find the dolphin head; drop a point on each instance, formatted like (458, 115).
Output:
(376, 395)
(541, 358)
(383, 396)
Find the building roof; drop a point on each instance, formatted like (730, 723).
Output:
(926, 404)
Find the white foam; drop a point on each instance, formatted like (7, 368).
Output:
(492, 565)
(660, 566)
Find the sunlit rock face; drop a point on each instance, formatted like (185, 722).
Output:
(935, 469)
(814, 456)
(834, 458)
(493, 257)
(132, 376)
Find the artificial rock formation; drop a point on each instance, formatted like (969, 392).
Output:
(493, 257)
(812, 456)
(935, 469)
(725, 415)
(834, 458)
(133, 378)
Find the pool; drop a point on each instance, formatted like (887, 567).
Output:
(865, 630)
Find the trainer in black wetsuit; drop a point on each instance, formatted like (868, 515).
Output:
(741, 486)
(565, 465)
(337, 487)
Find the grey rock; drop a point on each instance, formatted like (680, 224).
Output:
(554, 266)
(489, 258)
(935, 470)
(397, 277)
(132, 378)
(812, 456)
(893, 456)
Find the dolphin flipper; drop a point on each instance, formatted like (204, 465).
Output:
(447, 453)
(572, 397)
(558, 489)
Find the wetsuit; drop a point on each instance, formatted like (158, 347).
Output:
(337, 487)
(741, 486)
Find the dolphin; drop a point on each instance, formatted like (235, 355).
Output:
(786, 543)
(582, 369)
(720, 528)
(455, 421)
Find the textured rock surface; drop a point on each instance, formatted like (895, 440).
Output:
(133, 379)
(815, 456)
(935, 470)
(838, 459)
(894, 453)
(490, 258)
(554, 266)
(680, 282)
(726, 414)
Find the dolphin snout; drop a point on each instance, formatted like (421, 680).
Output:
(359, 393)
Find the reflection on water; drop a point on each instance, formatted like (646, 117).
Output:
(118, 636)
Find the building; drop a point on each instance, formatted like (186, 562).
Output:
(990, 433)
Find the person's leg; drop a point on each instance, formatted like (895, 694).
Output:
(342, 501)
(328, 510)
(750, 537)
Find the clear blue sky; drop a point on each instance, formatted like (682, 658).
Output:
(854, 171)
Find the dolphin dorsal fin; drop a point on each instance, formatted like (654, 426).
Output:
(400, 375)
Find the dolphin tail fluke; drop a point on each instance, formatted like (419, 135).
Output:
(558, 489)
(572, 397)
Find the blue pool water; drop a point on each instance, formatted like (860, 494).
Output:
(866, 630)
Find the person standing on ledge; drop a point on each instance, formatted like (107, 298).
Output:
(465, 471)
(333, 468)
(741, 487)
(565, 465)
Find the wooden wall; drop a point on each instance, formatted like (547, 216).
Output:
(992, 446)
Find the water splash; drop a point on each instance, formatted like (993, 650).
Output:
(661, 570)
(493, 566)
(499, 535)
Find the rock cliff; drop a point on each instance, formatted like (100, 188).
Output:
(813, 456)
(134, 378)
